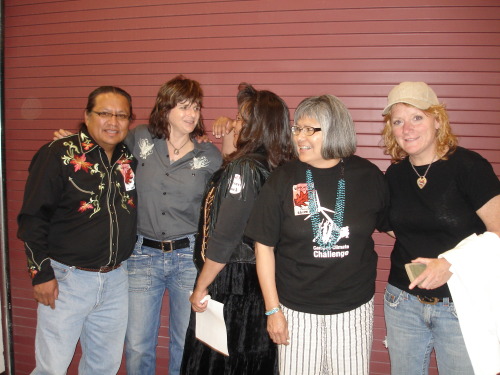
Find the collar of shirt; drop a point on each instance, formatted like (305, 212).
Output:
(87, 144)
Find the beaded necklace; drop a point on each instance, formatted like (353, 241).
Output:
(326, 235)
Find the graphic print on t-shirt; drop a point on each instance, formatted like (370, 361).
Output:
(300, 200)
(327, 228)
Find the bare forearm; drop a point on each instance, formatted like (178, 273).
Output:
(277, 325)
(208, 274)
(266, 272)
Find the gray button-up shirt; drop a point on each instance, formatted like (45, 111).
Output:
(169, 194)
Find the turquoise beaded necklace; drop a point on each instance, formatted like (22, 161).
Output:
(315, 213)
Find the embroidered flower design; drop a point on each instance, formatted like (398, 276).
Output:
(80, 162)
(127, 200)
(198, 163)
(145, 148)
(84, 206)
(74, 156)
(85, 141)
(87, 145)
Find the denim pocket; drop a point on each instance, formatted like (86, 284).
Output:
(186, 270)
(451, 309)
(391, 299)
(61, 272)
(139, 269)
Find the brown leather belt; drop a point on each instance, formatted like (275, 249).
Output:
(103, 269)
(431, 300)
(167, 246)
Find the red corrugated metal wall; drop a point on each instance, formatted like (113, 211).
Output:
(56, 52)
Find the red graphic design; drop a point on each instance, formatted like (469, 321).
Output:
(300, 199)
(127, 172)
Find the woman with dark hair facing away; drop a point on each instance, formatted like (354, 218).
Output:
(440, 194)
(224, 256)
(313, 222)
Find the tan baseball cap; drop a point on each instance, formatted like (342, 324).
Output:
(417, 94)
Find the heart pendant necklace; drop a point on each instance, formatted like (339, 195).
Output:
(421, 180)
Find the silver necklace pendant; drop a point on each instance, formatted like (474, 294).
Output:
(177, 150)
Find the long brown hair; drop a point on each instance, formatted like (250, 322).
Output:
(177, 90)
(266, 126)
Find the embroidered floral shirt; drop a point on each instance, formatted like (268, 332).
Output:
(170, 194)
(79, 208)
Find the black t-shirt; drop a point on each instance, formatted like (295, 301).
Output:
(432, 220)
(309, 277)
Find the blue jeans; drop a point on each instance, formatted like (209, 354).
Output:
(414, 329)
(151, 272)
(92, 307)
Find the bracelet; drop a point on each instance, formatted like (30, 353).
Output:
(272, 311)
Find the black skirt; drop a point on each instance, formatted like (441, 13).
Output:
(251, 351)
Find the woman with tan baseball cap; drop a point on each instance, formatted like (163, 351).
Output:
(440, 194)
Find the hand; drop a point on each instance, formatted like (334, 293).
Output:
(203, 139)
(222, 126)
(435, 275)
(61, 133)
(47, 293)
(196, 298)
(277, 327)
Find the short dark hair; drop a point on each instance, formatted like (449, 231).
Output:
(339, 135)
(177, 90)
(266, 126)
(105, 90)
(108, 89)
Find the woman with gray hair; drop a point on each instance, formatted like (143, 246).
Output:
(313, 223)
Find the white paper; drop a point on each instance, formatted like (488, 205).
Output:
(211, 327)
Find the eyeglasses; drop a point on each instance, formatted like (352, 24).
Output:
(308, 130)
(109, 116)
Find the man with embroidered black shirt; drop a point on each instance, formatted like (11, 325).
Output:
(78, 224)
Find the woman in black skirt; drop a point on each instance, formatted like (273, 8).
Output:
(223, 255)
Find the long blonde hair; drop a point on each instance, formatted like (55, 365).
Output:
(446, 141)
